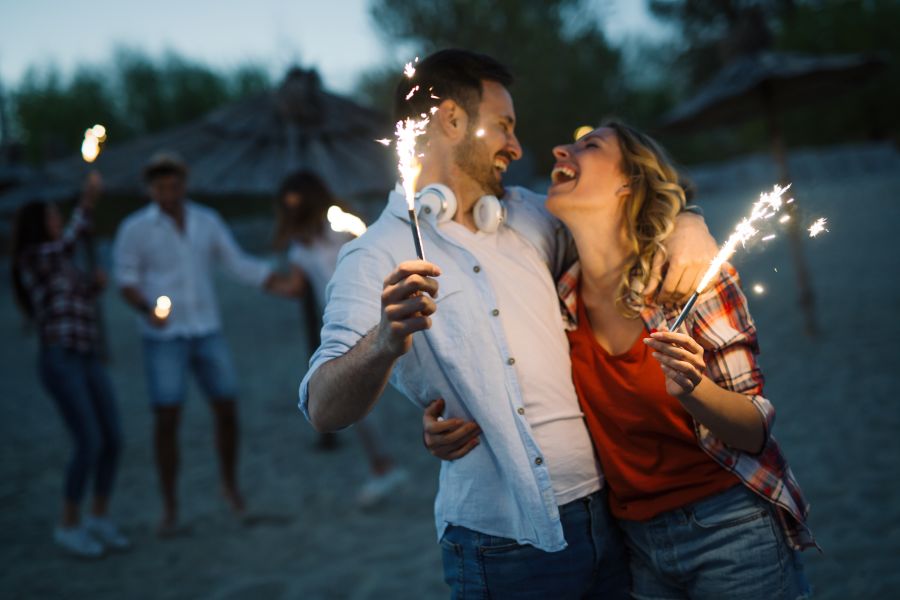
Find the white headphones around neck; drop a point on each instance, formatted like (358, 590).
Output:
(438, 202)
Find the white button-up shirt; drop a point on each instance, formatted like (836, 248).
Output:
(504, 486)
(153, 255)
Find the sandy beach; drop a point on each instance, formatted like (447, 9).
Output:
(838, 421)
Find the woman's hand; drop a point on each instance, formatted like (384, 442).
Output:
(681, 359)
(448, 439)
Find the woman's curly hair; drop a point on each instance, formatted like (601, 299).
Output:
(656, 195)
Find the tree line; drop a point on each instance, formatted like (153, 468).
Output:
(568, 72)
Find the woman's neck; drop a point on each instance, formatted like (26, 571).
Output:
(603, 252)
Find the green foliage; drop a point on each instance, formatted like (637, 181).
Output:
(567, 75)
(133, 95)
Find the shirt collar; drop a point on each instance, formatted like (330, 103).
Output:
(567, 288)
(157, 215)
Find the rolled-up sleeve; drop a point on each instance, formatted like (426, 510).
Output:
(243, 267)
(723, 326)
(353, 307)
(127, 256)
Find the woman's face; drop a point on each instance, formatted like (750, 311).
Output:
(587, 174)
(291, 201)
(54, 222)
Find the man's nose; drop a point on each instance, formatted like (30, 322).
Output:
(514, 148)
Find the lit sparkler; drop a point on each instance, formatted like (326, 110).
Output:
(768, 205)
(163, 307)
(817, 227)
(93, 140)
(344, 222)
(408, 161)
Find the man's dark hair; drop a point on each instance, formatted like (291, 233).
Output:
(448, 74)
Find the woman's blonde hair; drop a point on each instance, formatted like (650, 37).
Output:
(656, 195)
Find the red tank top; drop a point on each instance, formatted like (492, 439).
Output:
(644, 437)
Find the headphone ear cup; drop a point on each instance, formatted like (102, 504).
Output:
(489, 214)
(437, 202)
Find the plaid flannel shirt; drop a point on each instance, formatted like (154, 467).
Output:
(722, 325)
(63, 297)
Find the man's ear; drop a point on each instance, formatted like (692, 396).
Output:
(452, 120)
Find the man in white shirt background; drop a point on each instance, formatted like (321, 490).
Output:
(169, 248)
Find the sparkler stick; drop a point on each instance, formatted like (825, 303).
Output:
(90, 150)
(768, 205)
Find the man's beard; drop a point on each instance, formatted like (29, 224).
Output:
(472, 158)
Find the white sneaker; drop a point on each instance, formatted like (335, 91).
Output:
(379, 487)
(76, 540)
(104, 530)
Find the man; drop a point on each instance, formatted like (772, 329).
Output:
(169, 249)
(524, 512)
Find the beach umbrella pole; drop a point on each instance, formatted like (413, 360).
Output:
(805, 294)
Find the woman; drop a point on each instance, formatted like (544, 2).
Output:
(59, 299)
(700, 488)
(312, 248)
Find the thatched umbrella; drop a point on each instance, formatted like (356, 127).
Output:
(763, 84)
(246, 148)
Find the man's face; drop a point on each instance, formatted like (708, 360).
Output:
(490, 144)
(167, 190)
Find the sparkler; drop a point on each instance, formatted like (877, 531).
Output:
(91, 145)
(408, 162)
(768, 205)
(344, 222)
(163, 307)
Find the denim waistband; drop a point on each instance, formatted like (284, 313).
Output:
(584, 502)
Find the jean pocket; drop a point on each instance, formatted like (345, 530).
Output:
(728, 509)
(493, 546)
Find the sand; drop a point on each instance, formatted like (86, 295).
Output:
(838, 421)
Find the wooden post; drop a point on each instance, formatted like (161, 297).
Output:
(806, 295)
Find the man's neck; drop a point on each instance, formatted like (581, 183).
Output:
(175, 212)
(467, 192)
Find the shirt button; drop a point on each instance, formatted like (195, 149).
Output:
(477, 269)
(520, 410)
(495, 312)
(510, 361)
(539, 461)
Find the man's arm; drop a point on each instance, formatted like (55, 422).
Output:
(343, 390)
(689, 250)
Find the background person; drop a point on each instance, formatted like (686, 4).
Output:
(170, 248)
(60, 299)
(312, 247)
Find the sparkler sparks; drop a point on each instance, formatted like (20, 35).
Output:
(768, 205)
(817, 227)
(409, 70)
(91, 145)
(342, 222)
(759, 289)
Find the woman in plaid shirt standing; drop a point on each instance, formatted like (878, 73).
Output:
(701, 489)
(59, 298)
(707, 503)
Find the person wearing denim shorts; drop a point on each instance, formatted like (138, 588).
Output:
(164, 257)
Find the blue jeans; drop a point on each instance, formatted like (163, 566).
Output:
(167, 362)
(81, 391)
(593, 565)
(727, 546)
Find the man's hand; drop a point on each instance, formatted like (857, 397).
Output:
(288, 285)
(407, 300)
(690, 249)
(448, 439)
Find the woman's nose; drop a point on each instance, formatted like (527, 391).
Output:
(561, 152)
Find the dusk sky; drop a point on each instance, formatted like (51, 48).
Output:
(336, 36)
